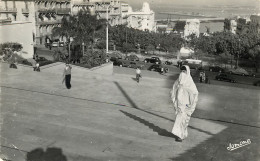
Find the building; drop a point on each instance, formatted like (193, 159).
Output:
(19, 10)
(230, 25)
(48, 15)
(143, 19)
(18, 32)
(192, 27)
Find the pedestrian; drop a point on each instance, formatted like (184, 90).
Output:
(37, 67)
(184, 96)
(201, 75)
(207, 81)
(67, 75)
(13, 60)
(138, 74)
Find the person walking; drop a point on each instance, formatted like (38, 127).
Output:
(184, 96)
(13, 61)
(67, 75)
(138, 74)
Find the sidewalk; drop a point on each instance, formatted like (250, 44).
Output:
(112, 117)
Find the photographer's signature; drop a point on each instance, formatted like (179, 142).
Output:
(236, 146)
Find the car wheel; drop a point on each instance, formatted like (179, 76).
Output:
(120, 65)
(145, 61)
(210, 70)
(243, 74)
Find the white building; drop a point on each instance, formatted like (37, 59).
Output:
(19, 10)
(18, 32)
(143, 19)
(192, 27)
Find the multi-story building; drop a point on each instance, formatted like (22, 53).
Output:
(18, 32)
(230, 25)
(118, 13)
(48, 15)
(143, 19)
(19, 10)
(192, 27)
(43, 14)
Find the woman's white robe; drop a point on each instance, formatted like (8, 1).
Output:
(184, 96)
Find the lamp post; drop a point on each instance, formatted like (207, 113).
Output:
(71, 39)
(83, 47)
(107, 31)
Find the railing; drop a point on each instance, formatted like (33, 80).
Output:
(47, 10)
(8, 10)
(59, 11)
(25, 11)
(49, 22)
(83, 4)
(62, 11)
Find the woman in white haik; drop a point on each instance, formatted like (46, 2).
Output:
(184, 96)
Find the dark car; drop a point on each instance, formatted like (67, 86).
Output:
(168, 62)
(135, 65)
(132, 58)
(154, 60)
(216, 69)
(225, 77)
(120, 63)
(115, 56)
(158, 68)
(256, 83)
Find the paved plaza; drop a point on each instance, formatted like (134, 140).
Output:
(112, 117)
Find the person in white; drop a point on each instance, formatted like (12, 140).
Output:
(138, 74)
(184, 96)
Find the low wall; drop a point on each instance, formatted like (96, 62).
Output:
(18, 32)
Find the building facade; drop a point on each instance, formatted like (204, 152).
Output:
(48, 14)
(21, 11)
(18, 32)
(192, 27)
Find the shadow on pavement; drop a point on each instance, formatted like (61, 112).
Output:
(155, 128)
(152, 126)
(51, 154)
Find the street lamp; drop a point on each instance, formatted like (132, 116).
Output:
(83, 48)
(70, 40)
(107, 7)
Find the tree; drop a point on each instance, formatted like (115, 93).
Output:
(254, 54)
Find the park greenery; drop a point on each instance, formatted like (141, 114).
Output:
(89, 36)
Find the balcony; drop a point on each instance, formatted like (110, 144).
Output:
(53, 22)
(84, 4)
(8, 10)
(25, 11)
(63, 11)
(47, 10)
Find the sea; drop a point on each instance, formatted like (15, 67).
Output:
(205, 10)
(168, 12)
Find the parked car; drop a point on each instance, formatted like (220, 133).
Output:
(225, 77)
(256, 83)
(61, 43)
(168, 62)
(55, 44)
(119, 63)
(216, 69)
(158, 68)
(192, 63)
(238, 71)
(115, 56)
(132, 58)
(154, 60)
(135, 65)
